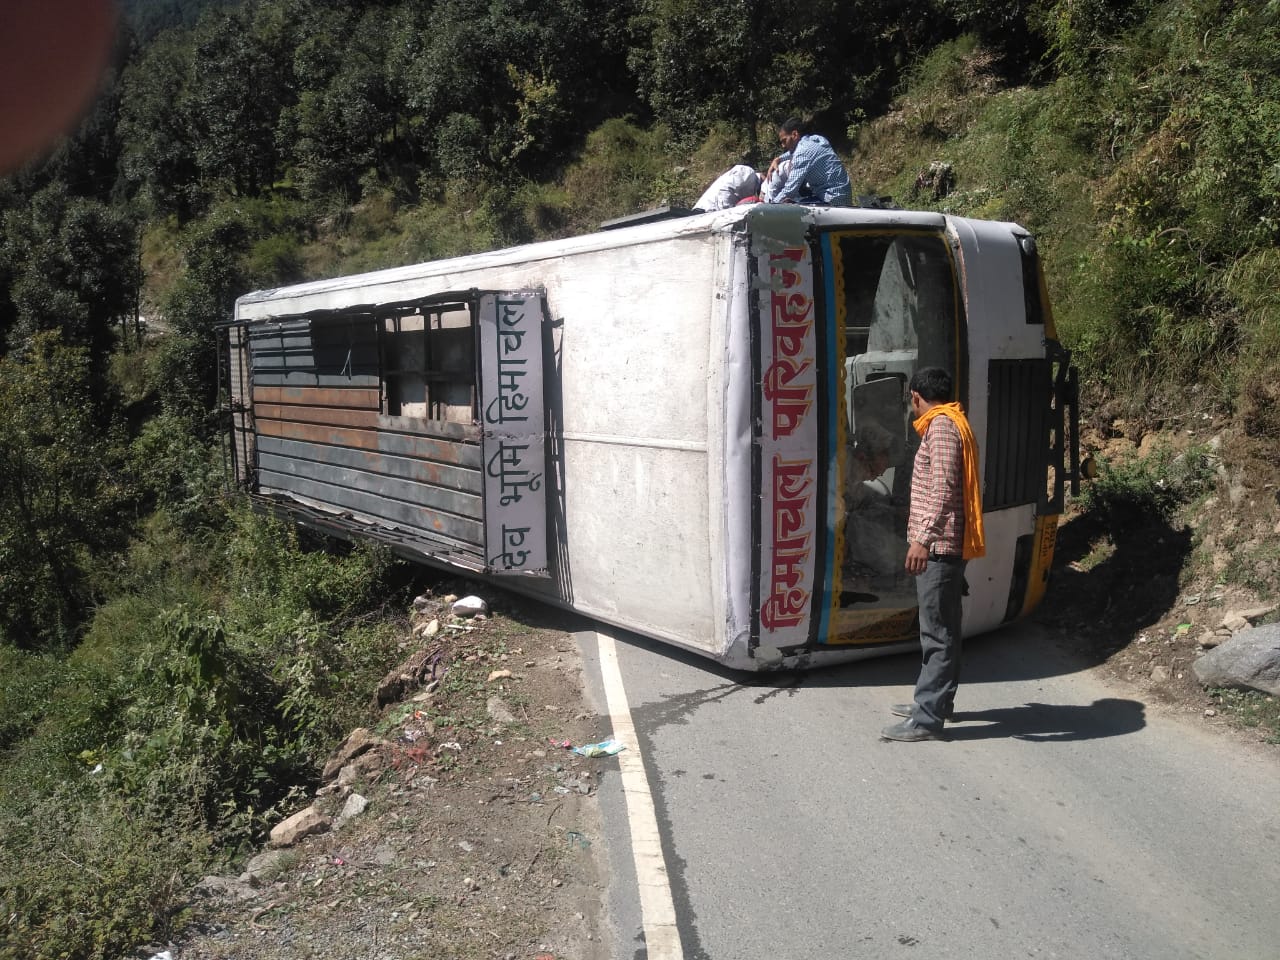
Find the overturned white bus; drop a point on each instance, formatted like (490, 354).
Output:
(695, 428)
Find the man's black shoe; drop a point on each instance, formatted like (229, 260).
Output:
(908, 731)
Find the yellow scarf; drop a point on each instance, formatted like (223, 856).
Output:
(975, 540)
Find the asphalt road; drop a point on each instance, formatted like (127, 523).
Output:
(1062, 819)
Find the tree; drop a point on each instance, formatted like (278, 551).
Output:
(60, 497)
(346, 112)
(747, 61)
(233, 99)
(69, 265)
(158, 154)
(204, 295)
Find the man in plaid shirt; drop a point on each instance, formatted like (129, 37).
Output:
(944, 530)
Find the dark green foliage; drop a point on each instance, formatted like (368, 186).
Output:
(158, 159)
(1194, 190)
(1012, 27)
(749, 62)
(89, 876)
(1084, 34)
(231, 99)
(176, 733)
(70, 266)
(62, 495)
(204, 296)
(178, 472)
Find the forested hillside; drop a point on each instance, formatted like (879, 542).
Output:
(171, 667)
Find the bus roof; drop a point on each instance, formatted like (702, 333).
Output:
(781, 219)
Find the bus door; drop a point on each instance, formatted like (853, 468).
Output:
(842, 323)
(890, 304)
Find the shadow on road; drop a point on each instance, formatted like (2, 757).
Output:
(1050, 723)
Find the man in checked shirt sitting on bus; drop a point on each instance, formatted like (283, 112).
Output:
(944, 530)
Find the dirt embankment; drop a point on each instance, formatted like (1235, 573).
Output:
(477, 831)
(1144, 599)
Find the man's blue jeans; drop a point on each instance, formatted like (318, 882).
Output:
(939, 590)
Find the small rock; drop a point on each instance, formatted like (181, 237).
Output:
(450, 597)
(428, 629)
(421, 602)
(498, 675)
(1208, 640)
(234, 889)
(1253, 613)
(1210, 712)
(499, 711)
(354, 806)
(466, 846)
(304, 823)
(266, 865)
(1234, 622)
(358, 741)
(363, 767)
(1160, 674)
(469, 606)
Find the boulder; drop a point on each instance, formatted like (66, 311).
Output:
(358, 741)
(266, 866)
(304, 823)
(1250, 660)
(469, 607)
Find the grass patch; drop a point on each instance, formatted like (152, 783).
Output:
(1254, 564)
(1250, 709)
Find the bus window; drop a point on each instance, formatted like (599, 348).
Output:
(898, 294)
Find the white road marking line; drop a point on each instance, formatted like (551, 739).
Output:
(657, 911)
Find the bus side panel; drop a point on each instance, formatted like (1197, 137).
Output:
(635, 368)
(733, 397)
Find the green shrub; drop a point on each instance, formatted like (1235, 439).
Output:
(623, 169)
(1146, 491)
(88, 876)
(179, 472)
(271, 573)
